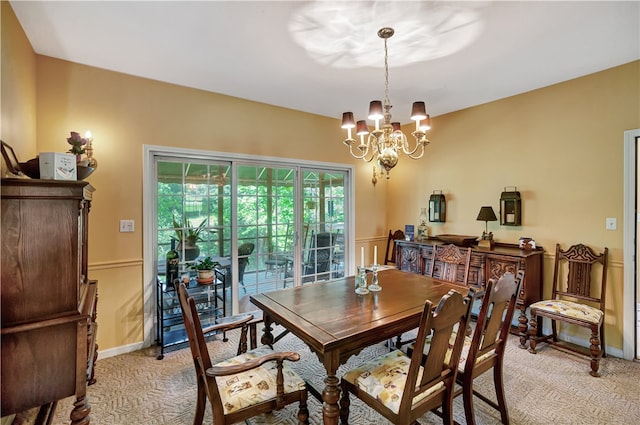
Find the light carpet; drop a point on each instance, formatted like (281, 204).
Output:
(551, 387)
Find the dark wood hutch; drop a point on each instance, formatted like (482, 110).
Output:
(48, 302)
(485, 264)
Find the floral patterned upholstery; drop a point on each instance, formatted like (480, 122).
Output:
(570, 309)
(384, 378)
(465, 350)
(255, 386)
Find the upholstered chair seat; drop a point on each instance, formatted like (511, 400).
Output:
(254, 386)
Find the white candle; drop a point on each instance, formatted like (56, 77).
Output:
(361, 256)
(375, 254)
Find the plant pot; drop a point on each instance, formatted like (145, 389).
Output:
(205, 274)
(205, 277)
(191, 252)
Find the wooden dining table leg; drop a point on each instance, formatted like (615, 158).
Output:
(267, 336)
(331, 392)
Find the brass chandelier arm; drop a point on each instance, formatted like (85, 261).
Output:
(421, 143)
(364, 150)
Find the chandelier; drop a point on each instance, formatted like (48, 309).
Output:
(386, 141)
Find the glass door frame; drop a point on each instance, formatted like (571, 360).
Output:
(149, 212)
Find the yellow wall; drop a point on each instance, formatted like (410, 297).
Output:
(560, 145)
(124, 113)
(17, 88)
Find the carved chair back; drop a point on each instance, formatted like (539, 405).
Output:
(579, 260)
(450, 263)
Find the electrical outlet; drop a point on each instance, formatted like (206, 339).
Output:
(611, 223)
(126, 226)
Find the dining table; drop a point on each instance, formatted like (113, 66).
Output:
(336, 323)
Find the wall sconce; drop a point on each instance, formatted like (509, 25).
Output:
(437, 207)
(486, 214)
(510, 211)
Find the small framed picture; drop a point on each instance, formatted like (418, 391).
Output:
(527, 244)
(13, 166)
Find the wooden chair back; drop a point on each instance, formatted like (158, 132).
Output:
(450, 263)
(440, 364)
(496, 314)
(485, 350)
(390, 253)
(579, 261)
(198, 346)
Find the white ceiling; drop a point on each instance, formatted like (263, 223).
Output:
(325, 57)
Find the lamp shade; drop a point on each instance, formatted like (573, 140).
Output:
(418, 111)
(487, 214)
(361, 128)
(347, 120)
(375, 110)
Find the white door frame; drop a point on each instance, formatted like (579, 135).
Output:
(629, 332)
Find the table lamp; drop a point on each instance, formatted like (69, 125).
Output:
(486, 214)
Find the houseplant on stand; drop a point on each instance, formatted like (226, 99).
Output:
(205, 268)
(188, 237)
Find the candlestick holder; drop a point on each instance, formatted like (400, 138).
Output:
(361, 281)
(375, 286)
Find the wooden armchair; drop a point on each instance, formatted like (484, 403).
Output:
(575, 301)
(247, 385)
(403, 388)
(450, 263)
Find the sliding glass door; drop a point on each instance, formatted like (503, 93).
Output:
(269, 224)
(323, 230)
(266, 227)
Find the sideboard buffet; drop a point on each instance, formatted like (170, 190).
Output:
(48, 302)
(485, 264)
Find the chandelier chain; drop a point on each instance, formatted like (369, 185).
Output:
(386, 75)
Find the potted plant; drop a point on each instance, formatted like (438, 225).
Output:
(188, 237)
(205, 269)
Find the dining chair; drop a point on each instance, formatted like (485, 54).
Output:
(450, 263)
(390, 257)
(576, 299)
(252, 383)
(403, 388)
(484, 350)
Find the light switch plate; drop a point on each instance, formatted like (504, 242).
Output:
(611, 223)
(126, 226)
